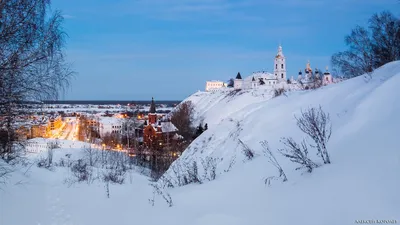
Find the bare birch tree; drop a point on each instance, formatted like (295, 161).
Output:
(32, 61)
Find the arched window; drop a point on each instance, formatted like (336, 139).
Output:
(282, 75)
(281, 66)
(276, 66)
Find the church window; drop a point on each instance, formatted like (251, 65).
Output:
(281, 66)
(282, 75)
(276, 66)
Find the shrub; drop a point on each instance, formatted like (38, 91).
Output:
(271, 159)
(297, 153)
(316, 124)
(279, 92)
(116, 176)
(81, 171)
(249, 153)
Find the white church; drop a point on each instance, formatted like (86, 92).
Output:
(279, 76)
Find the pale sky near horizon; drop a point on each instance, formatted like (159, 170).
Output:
(167, 49)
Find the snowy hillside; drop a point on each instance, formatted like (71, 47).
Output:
(364, 148)
(212, 107)
(361, 184)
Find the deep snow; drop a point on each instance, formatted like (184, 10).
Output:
(362, 183)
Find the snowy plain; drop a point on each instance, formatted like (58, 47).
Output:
(362, 183)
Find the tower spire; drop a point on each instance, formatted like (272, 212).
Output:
(152, 106)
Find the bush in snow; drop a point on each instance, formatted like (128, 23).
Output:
(297, 153)
(185, 174)
(81, 171)
(5, 172)
(271, 159)
(193, 173)
(158, 190)
(249, 153)
(316, 124)
(42, 162)
(279, 92)
(116, 176)
(231, 163)
(210, 168)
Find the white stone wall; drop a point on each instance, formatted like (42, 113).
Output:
(214, 84)
(238, 84)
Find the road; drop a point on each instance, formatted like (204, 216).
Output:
(67, 131)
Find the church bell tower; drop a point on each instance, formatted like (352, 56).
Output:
(280, 65)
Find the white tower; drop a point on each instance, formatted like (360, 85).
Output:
(238, 82)
(280, 66)
(254, 83)
(327, 78)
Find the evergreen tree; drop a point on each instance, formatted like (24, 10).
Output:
(206, 127)
(261, 81)
(200, 130)
(230, 83)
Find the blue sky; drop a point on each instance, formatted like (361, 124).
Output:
(136, 49)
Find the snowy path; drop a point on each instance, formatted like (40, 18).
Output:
(56, 208)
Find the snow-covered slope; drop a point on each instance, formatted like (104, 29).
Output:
(362, 183)
(212, 107)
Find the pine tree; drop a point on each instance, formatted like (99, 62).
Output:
(200, 130)
(230, 83)
(206, 127)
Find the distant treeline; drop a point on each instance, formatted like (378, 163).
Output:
(111, 102)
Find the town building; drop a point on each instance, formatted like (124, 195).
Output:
(110, 125)
(214, 85)
(158, 132)
(55, 122)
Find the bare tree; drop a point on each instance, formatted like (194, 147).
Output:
(91, 155)
(297, 153)
(271, 159)
(182, 118)
(370, 49)
(316, 124)
(385, 29)
(128, 132)
(32, 60)
(50, 152)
